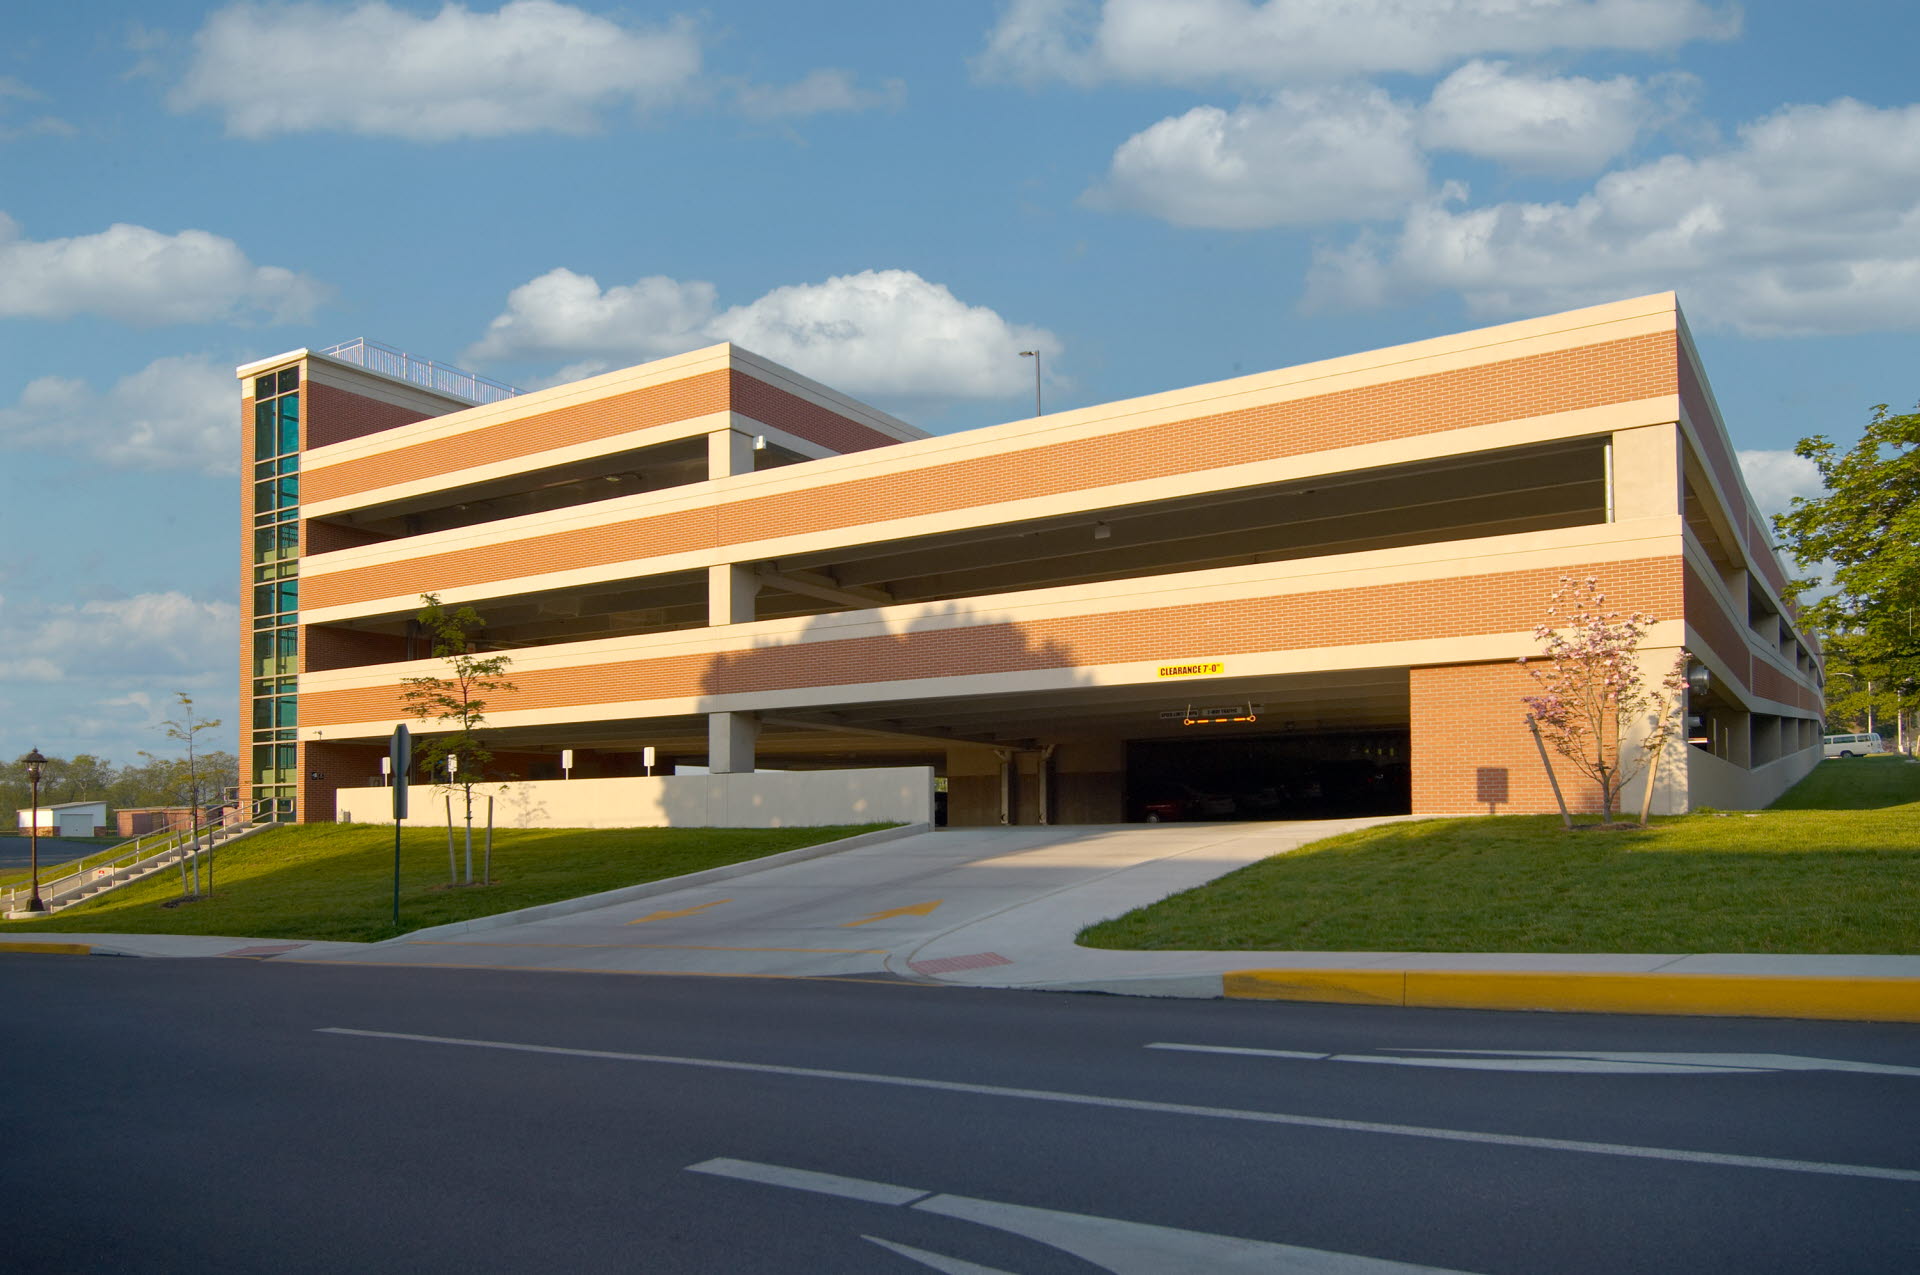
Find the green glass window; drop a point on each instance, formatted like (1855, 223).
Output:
(276, 654)
(271, 544)
(289, 424)
(276, 493)
(263, 415)
(273, 764)
(276, 597)
(273, 712)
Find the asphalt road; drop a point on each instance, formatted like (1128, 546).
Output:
(213, 1115)
(16, 852)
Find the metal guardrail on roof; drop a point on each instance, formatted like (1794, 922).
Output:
(440, 377)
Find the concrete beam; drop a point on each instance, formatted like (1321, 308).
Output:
(815, 584)
(929, 735)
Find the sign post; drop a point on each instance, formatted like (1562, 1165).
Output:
(400, 762)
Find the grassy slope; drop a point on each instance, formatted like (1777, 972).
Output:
(1833, 867)
(335, 881)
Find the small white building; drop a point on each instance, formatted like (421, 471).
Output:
(68, 819)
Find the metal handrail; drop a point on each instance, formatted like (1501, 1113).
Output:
(173, 842)
(441, 377)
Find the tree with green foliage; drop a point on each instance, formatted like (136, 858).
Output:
(157, 781)
(82, 777)
(455, 703)
(1864, 534)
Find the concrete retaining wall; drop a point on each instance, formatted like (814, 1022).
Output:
(761, 799)
(1720, 785)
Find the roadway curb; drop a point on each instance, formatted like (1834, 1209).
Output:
(666, 885)
(1884, 1000)
(49, 949)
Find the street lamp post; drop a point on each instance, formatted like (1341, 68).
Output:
(34, 763)
(1035, 356)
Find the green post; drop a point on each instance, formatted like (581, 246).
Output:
(400, 759)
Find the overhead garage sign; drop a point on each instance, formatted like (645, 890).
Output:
(1193, 668)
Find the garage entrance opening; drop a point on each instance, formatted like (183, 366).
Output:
(1290, 776)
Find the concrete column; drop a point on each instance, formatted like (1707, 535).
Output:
(1009, 775)
(730, 740)
(730, 594)
(1646, 472)
(729, 452)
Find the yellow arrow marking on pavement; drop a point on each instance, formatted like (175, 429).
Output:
(912, 909)
(668, 916)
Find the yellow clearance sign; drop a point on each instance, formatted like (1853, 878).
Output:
(1197, 668)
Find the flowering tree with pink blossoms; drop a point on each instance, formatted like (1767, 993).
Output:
(1592, 693)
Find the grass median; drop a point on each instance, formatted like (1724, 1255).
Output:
(335, 881)
(1833, 867)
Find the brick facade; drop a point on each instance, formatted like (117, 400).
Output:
(336, 416)
(1456, 607)
(1587, 376)
(1471, 748)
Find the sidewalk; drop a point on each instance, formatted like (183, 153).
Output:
(1019, 895)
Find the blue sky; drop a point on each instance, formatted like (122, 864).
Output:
(893, 197)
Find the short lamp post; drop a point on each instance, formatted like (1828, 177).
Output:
(35, 764)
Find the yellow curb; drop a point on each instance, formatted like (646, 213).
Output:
(56, 949)
(1886, 1000)
(1342, 987)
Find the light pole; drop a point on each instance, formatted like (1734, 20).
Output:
(1035, 356)
(34, 763)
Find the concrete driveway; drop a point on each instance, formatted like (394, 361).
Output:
(930, 906)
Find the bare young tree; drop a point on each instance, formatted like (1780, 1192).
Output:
(455, 702)
(1592, 693)
(186, 729)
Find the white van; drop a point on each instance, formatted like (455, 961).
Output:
(1854, 745)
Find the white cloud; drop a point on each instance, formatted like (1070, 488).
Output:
(533, 66)
(98, 676)
(143, 276)
(1303, 157)
(1810, 223)
(1562, 126)
(13, 91)
(175, 413)
(818, 93)
(144, 636)
(567, 315)
(882, 332)
(1280, 42)
(1776, 477)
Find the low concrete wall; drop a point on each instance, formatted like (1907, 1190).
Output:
(761, 799)
(1721, 785)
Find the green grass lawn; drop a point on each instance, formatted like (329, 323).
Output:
(1834, 866)
(335, 881)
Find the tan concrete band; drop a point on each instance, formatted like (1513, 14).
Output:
(1625, 370)
(1885, 1000)
(50, 949)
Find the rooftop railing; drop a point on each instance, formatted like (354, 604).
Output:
(440, 377)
